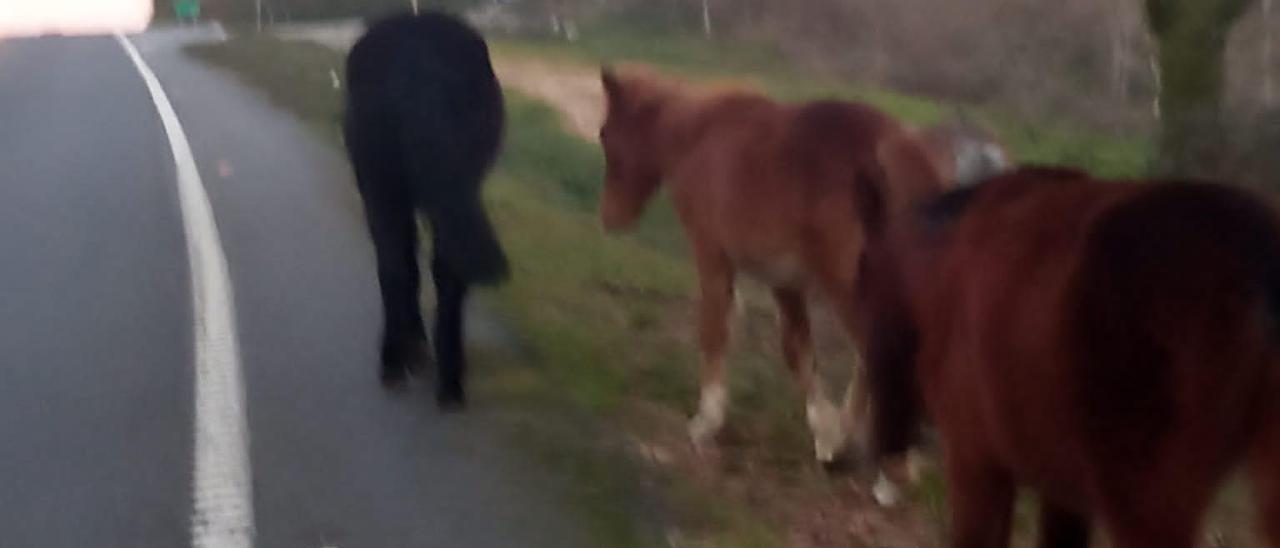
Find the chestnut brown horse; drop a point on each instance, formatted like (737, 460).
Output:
(1113, 346)
(763, 188)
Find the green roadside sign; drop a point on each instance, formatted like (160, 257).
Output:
(187, 9)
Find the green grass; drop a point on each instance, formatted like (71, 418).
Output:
(297, 78)
(590, 309)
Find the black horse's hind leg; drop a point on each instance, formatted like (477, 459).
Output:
(451, 296)
(394, 229)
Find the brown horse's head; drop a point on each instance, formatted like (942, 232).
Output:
(631, 146)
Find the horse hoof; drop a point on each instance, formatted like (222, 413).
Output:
(417, 356)
(451, 400)
(844, 464)
(394, 378)
(886, 494)
(702, 431)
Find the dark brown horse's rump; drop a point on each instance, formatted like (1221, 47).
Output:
(1113, 345)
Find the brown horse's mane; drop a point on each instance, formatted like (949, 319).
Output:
(940, 212)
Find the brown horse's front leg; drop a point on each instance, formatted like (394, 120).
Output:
(981, 498)
(716, 277)
(797, 349)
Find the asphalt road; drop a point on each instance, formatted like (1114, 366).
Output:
(97, 327)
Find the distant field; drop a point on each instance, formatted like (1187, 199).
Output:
(1051, 142)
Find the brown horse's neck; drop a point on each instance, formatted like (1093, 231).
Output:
(683, 121)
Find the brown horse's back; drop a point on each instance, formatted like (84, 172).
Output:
(1113, 345)
(774, 185)
(1004, 311)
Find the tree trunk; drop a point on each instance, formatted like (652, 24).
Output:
(1268, 89)
(706, 18)
(1192, 38)
(1120, 55)
(1154, 63)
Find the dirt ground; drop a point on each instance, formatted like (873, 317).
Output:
(573, 90)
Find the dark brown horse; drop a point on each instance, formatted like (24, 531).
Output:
(763, 188)
(1113, 346)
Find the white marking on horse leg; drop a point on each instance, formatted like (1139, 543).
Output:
(829, 432)
(711, 413)
(885, 491)
(895, 472)
(854, 408)
(222, 495)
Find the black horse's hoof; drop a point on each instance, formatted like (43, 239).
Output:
(403, 357)
(416, 356)
(451, 400)
(394, 378)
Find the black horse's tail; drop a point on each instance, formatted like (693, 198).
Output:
(422, 93)
(464, 240)
(448, 164)
(450, 137)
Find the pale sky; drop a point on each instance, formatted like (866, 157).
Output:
(26, 17)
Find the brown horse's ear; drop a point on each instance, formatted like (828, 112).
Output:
(612, 84)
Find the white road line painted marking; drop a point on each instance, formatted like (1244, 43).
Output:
(222, 514)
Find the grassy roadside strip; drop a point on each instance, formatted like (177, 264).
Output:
(590, 311)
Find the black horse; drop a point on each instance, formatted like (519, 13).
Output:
(424, 121)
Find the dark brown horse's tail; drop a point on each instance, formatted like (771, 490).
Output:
(890, 346)
(1254, 224)
(902, 177)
